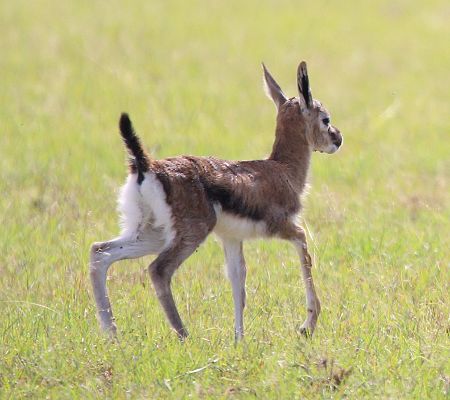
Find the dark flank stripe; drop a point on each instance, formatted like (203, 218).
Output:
(232, 203)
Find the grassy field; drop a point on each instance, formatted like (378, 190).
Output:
(378, 212)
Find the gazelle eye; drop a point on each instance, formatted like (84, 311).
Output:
(326, 121)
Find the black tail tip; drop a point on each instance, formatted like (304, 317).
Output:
(125, 123)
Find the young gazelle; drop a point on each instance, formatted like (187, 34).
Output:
(170, 206)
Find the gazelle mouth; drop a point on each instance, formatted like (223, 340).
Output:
(330, 149)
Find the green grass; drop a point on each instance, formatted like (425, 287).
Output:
(378, 212)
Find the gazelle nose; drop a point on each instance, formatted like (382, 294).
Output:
(338, 141)
(336, 136)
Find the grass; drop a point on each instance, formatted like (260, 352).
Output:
(378, 212)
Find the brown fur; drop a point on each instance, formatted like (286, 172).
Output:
(243, 188)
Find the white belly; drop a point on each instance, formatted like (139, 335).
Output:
(234, 227)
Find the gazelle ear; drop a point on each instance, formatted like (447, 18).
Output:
(303, 84)
(272, 89)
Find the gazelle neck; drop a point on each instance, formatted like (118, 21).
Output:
(294, 152)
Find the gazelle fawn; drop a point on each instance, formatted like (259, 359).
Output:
(170, 206)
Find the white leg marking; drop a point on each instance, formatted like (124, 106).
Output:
(102, 256)
(236, 271)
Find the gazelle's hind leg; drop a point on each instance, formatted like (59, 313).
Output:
(103, 254)
(297, 236)
(236, 271)
(161, 272)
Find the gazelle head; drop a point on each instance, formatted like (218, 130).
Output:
(303, 116)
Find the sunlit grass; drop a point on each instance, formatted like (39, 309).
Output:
(189, 74)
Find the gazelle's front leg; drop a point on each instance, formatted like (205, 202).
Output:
(297, 236)
(312, 301)
(236, 271)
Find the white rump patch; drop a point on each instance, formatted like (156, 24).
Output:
(145, 205)
(237, 228)
(130, 207)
